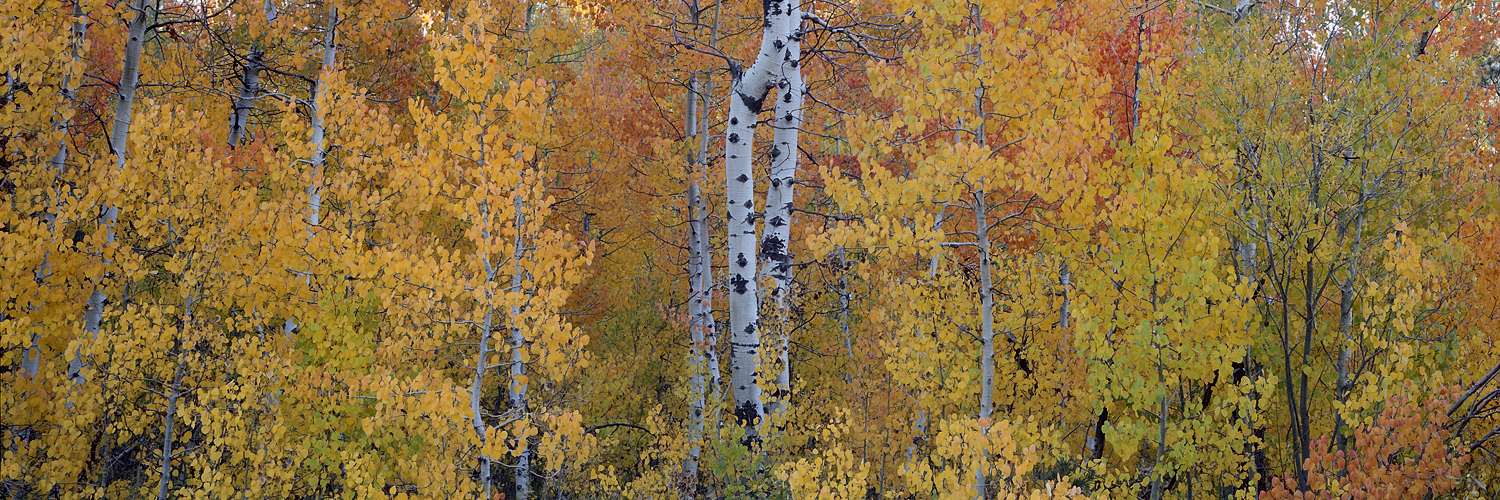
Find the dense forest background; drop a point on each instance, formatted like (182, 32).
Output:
(724, 249)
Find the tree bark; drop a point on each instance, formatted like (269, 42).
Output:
(748, 89)
(481, 360)
(517, 359)
(119, 144)
(775, 247)
(986, 326)
(700, 280)
(320, 96)
(248, 92)
(167, 428)
(31, 357)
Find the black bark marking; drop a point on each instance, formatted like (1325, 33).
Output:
(747, 414)
(772, 247)
(734, 138)
(734, 121)
(776, 221)
(740, 284)
(752, 102)
(775, 152)
(749, 204)
(741, 261)
(742, 178)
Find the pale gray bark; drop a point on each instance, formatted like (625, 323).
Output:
(167, 428)
(482, 358)
(476, 389)
(320, 94)
(522, 468)
(250, 88)
(986, 305)
(119, 140)
(314, 189)
(986, 325)
(31, 357)
(700, 301)
(1065, 279)
(1347, 292)
(69, 89)
(130, 78)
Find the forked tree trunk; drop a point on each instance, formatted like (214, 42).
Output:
(748, 89)
(481, 359)
(700, 280)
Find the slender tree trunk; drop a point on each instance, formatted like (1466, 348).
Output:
(775, 247)
(482, 358)
(167, 426)
(700, 303)
(518, 361)
(476, 389)
(248, 92)
(119, 144)
(251, 85)
(130, 78)
(1065, 280)
(69, 89)
(1310, 325)
(31, 357)
(314, 187)
(986, 325)
(320, 97)
(1095, 442)
(1347, 291)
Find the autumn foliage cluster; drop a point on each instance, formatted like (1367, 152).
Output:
(722, 249)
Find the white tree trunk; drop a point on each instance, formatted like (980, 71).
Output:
(320, 93)
(314, 187)
(251, 86)
(167, 429)
(31, 358)
(775, 246)
(518, 362)
(476, 389)
(1347, 291)
(119, 141)
(482, 358)
(748, 89)
(1064, 279)
(986, 325)
(700, 280)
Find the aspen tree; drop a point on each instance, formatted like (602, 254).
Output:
(119, 138)
(748, 88)
(249, 85)
(1328, 165)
